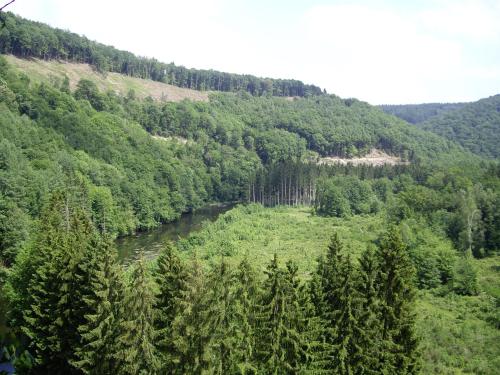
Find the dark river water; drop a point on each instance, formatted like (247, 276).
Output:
(151, 242)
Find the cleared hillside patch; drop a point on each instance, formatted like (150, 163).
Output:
(375, 158)
(50, 71)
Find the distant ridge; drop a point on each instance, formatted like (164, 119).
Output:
(475, 126)
(417, 113)
(25, 38)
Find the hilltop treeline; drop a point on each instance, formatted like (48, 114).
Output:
(26, 38)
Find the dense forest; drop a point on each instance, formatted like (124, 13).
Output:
(417, 113)
(475, 126)
(25, 38)
(320, 269)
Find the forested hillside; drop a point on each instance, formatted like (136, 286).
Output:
(417, 113)
(320, 269)
(103, 143)
(25, 38)
(476, 126)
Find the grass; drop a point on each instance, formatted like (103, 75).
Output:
(53, 70)
(458, 332)
(292, 233)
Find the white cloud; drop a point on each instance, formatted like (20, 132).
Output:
(463, 19)
(389, 55)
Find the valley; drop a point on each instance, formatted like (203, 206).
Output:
(360, 239)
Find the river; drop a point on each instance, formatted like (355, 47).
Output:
(151, 242)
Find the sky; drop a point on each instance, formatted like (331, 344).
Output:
(382, 52)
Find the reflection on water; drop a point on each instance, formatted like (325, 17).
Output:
(151, 242)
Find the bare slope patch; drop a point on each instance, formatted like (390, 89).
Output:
(49, 71)
(375, 157)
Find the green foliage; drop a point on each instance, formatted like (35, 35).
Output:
(190, 331)
(342, 196)
(128, 164)
(474, 125)
(170, 277)
(50, 292)
(396, 294)
(464, 280)
(244, 340)
(136, 343)
(25, 38)
(282, 349)
(87, 90)
(418, 113)
(97, 350)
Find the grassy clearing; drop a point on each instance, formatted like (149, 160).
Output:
(50, 71)
(292, 233)
(458, 333)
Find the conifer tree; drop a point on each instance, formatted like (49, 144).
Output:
(270, 353)
(368, 317)
(329, 272)
(137, 352)
(220, 318)
(313, 302)
(316, 290)
(396, 293)
(170, 277)
(283, 350)
(244, 341)
(103, 304)
(51, 304)
(190, 332)
(331, 276)
(70, 309)
(346, 351)
(295, 322)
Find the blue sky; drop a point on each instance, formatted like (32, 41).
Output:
(378, 51)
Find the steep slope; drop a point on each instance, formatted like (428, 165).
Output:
(476, 126)
(25, 38)
(53, 71)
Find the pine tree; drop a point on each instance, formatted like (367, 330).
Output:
(170, 277)
(313, 299)
(137, 352)
(346, 351)
(51, 306)
(329, 272)
(103, 304)
(368, 317)
(281, 324)
(295, 322)
(331, 276)
(70, 309)
(396, 293)
(190, 332)
(270, 352)
(220, 318)
(246, 294)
